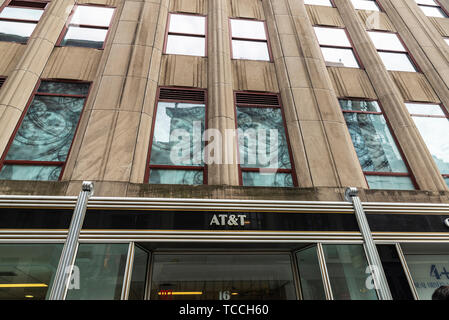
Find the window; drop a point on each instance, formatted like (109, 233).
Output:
(432, 122)
(249, 40)
(326, 3)
(263, 142)
(27, 270)
(366, 5)
(336, 47)
(19, 18)
(177, 147)
(392, 51)
(88, 27)
(447, 40)
(431, 8)
(2, 81)
(39, 148)
(375, 146)
(186, 35)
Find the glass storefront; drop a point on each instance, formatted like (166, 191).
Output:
(222, 277)
(311, 272)
(429, 267)
(27, 270)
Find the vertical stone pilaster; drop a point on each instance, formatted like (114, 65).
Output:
(221, 114)
(322, 148)
(117, 132)
(418, 157)
(20, 84)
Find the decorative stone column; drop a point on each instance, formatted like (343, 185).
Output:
(220, 113)
(20, 84)
(117, 134)
(418, 157)
(322, 149)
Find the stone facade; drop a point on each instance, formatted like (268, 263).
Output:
(112, 142)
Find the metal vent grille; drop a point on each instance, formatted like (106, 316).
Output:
(181, 94)
(2, 81)
(257, 99)
(29, 4)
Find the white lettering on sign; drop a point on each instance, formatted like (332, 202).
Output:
(233, 220)
(446, 222)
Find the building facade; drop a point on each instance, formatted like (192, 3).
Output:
(221, 136)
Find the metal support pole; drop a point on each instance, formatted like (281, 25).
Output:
(378, 274)
(68, 255)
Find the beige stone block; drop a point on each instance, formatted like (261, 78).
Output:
(254, 76)
(120, 155)
(246, 9)
(140, 159)
(96, 146)
(376, 20)
(76, 63)
(305, 107)
(441, 24)
(297, 76)
(35, 56)
(11, 54)
(150, 98)
(118, 60)
(133, 94)
(320, 160)
(151, 30)
(185, 71)
(189, 6)
(17, 91)
(351, 82)
(9, 118)
(325, 16)
(131, 11)
(414, 86)
(109, 93)
(126, 32)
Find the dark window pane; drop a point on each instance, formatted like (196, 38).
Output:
(47, 130)
(360, 105)
(262, 139)
(192, 177)
(222, 277)
(257, 179)
(27, 270)
(71, 88)
(139, 275)
(35, 173)
(101, 270)
(310, 274)
(397, 280)
(178, 134)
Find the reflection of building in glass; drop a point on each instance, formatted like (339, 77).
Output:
(221, 137)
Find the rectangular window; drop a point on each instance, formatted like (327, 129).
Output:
(432, 8)
(263, 142)
(392, 51)
(446, 40)
(336, 47)
(326, 3)
(18, 19)
(379, 156)
(27, 270)
(432, 122)
(176, 154)
(370, 5)
(186, 35)
(39, 148)
(249, 40)
(222, 277)
(88, 26)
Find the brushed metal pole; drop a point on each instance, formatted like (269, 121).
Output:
(380, 280)
(68, 255)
